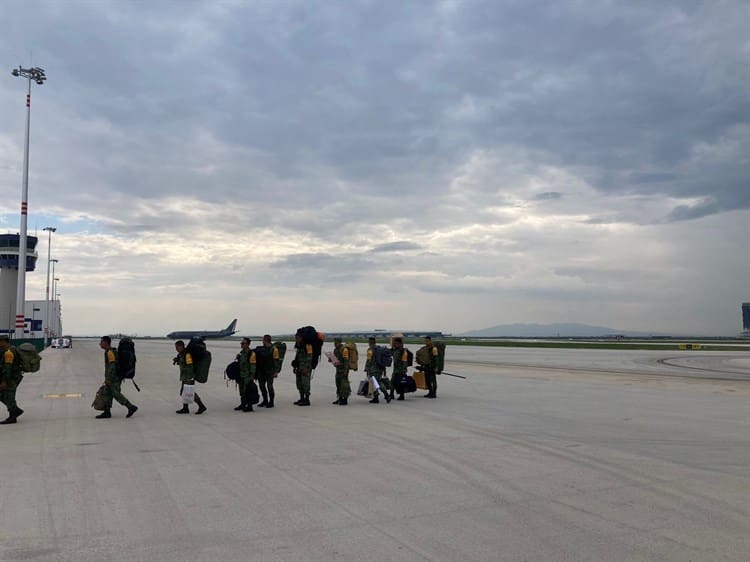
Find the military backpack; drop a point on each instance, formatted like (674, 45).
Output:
(353, 355)
(29, 358)
(126, 358)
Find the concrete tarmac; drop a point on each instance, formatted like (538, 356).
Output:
(539, 455)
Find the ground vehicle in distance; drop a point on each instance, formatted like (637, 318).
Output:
(62, 343)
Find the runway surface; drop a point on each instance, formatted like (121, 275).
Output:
(541, 454)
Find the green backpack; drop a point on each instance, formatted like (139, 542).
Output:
(30, 358)
(281, 346)
(440, 363)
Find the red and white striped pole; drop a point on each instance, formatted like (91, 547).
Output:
(21, 292)
(37, 75)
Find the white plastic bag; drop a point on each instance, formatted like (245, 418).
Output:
(188, 393)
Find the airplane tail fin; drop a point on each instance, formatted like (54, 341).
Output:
(231, 327)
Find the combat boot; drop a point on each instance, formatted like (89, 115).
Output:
(400, 397)
(391, 394)
(263, 404)
(106, 414)
(336, 402)
(301, 399)
(10, 419)
(270, 404)
(184, 410)
(247, 408)
(305, 400)
(132, 409)
(201, 406)
(18, 412)
(387, 397)
(343, 402)
(375, 399)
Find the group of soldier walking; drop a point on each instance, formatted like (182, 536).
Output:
(260, 365)
(376, 373)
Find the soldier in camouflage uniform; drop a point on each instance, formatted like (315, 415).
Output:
(377, 373)
(112, 381)
(268, 367)
(430, 371)
(187, 375)
(400, 360)
(247, 360)
(10, 378)
(343, 388)
(302, 366)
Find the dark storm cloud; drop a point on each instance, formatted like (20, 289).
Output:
(548, 196)
(397, 247)
(372, 92)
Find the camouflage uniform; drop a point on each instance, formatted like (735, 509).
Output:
(187, 376)
(374, 371)
(343, 388)
(112, 381)
(247, 361)
(400, 360)
(303, 371)
(430, 372)
(268, 367)
(11, 378)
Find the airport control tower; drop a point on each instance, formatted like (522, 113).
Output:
(9, 276)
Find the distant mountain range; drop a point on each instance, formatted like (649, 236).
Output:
(552, 331)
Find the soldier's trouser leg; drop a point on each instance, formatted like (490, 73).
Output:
(385, 383)
(343, 388)
(113, 392)
(199, 401)
(394, 383)
(304, 384)
(8, 395)
(431, 380)
(242, 384)
(271, 392)
(262, 382)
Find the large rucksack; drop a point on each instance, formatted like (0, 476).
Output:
(310, 336)
(126, 358)
(281, 347)
(29, 358)
(423, 356)
(353, 355)
(440, 363)
(202, 366)
(383, 356)
(196, 347)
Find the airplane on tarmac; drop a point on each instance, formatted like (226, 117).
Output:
(205, 334)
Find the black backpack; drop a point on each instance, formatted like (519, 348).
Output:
(196, 347)
(383, 356)
(232, 372)
(409, 358)
(126, 358)
(310, 336)
(264, 359)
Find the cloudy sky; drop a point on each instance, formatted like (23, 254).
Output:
(355, 164)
